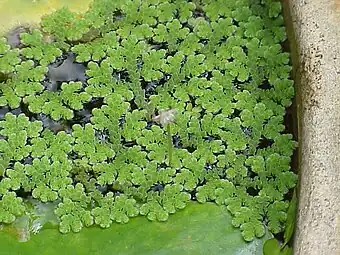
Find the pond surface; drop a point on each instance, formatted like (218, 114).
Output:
(67, 69)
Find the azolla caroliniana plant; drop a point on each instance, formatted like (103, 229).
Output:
(78, 129)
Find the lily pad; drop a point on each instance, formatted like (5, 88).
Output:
(197, 229)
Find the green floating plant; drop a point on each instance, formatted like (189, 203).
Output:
(40, 48)
(57, 147)
(21, 77)
(11, 207)
(153, 62)
(8, 57)
(167, 202)
(272, 246)
(25, 82)
(176, 101)
(72, 211)
(133, 125)
(64, 24)
(71, 95)
(18, 130)
(49, 103)
(112, 208)
(59, 105)
(97, 49)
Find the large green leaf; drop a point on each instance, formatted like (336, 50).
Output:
(198, 229)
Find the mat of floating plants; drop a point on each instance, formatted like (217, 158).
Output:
(140, 107)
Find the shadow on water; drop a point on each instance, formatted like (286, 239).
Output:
(64, 71)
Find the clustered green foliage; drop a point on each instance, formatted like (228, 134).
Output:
(272, 246)
(218, 63)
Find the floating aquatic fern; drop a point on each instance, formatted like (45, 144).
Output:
(119, 151)
(8, 57)
(40, 48)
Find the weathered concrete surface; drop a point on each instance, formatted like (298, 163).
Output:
(314, 32)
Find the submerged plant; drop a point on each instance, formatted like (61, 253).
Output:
(78, 132)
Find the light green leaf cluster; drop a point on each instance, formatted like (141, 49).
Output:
(49, 103)
(57, 147)
(40, 48)
(167, 202)
(43, 177)
(86, 144)
(72, 211)
(114, 208)
(72, 97)
(215, 10)
(17, 130)
(249, 223)
(97, 49)
(59, 105)
(165, 101)
(11, 207)
(99, 78)
(107, 117)
(107, 173)
(194, 65)
(215, 190)
(186, 178)
(133, 125)
(218, 64)
(64, 24)
(141, 32)
(8, 96)
(277, 215)
(165, 11)
(185, 10)
(8, 57)
(153, 62)
(171, 33)
(73, 216)
(25, 81)
(272, 245)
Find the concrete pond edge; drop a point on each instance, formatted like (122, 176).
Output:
(313, 28)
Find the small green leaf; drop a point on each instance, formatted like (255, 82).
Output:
(291, 218)
(287, 251)
(271, 247)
